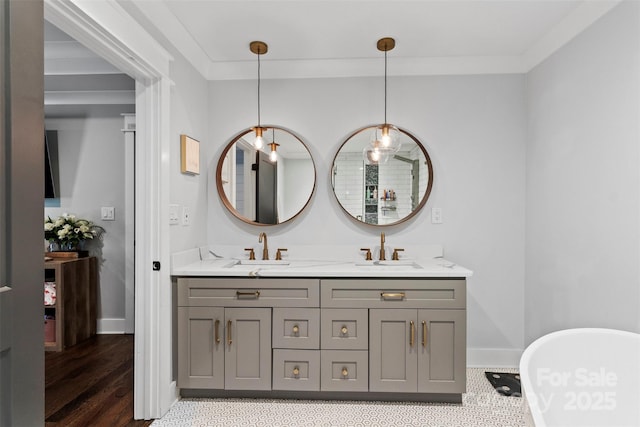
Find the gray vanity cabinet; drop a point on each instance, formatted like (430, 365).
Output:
(350, 336)
(247, 349)
(201, 347)
(417, 351)
(442, 356)
(226, 348)
(393, 364)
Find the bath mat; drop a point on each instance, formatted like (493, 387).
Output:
(505, 383)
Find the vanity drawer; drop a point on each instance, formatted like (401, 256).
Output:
(393, 293)
(296, 370)
(296, 328)
(344, 329)
(237, 292)
(344, 370)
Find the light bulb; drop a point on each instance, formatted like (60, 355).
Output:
(385, 139)
(273, 156)
(259, 142)
(375, 155)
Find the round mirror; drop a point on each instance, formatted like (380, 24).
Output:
(267, 186)
(381, 188)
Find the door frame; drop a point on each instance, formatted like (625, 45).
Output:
(107, 29)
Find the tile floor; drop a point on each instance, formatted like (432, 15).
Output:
(481, 406)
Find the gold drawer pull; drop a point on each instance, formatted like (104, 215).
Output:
(296, 329)
(344, 330)
(296, 371)
(412, 334)
(424, 333)
(392, 295)
(217, 332)
(255, 294)
(229, 340)
(345, 372)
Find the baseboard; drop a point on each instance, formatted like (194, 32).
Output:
(493, 357)
(111, 326)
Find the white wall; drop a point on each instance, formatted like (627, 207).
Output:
(190, 116)
(91, 163)
(583, 181)
(474, 130)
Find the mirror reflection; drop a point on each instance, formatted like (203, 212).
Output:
(381, 189)
(267, 186)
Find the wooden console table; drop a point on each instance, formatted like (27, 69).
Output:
(76, 300)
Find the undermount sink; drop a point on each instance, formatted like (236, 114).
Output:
(257, 262)
(395, 265)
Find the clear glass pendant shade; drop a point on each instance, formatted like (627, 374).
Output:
(384, 143)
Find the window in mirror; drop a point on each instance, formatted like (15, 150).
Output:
(267, 186)
(383, 192)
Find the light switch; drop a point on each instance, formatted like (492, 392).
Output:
(436, 215)
(108, 213)
(173, 215)
(186, 216)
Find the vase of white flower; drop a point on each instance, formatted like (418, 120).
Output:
(68, 233)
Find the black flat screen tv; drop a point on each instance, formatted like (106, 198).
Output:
(51, 176)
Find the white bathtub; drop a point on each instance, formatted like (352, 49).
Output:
(583, 377)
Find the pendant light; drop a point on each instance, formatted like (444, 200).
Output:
(259, 48)
(385, 138)
(273, 156)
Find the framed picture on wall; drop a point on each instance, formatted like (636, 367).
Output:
(189, 155)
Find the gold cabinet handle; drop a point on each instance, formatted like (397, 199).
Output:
(424, 333)
(229, 340)
(217, 332)
(255, 294)
(392, 295)
(344, 330)
(296, 371)
(412, 333)
(296, 329)
(345, 372)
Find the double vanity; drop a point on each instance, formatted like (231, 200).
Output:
(375, 323)
(342, 328)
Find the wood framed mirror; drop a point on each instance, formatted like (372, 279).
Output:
(381, 191)
(261, 190)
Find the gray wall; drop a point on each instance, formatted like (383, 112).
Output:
(474, 129)
(583, 188)
(91, 155)
(21, 228)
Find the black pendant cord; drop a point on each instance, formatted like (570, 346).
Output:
(258, 88)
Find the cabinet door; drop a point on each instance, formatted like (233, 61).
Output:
(201, 347)
(442, 347)
(248, 349)
(393, 350)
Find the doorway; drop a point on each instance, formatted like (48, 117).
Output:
(105, 29)
(90, 108)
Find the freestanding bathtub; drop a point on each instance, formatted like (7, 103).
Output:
(583, 377)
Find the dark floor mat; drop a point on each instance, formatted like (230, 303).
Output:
(505, 383)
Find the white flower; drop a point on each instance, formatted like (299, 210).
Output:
(48, 226)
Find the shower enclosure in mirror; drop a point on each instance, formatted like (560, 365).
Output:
(381, 190)
(267, 186)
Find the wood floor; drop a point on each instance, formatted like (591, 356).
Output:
(91, 384)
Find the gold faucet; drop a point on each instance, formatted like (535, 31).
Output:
(382, 254)
(265, 251)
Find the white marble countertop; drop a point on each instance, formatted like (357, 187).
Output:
(431, 264)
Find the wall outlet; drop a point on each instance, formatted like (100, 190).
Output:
(108, 213)
(436, 215)
(186, 216)
(174, 219)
